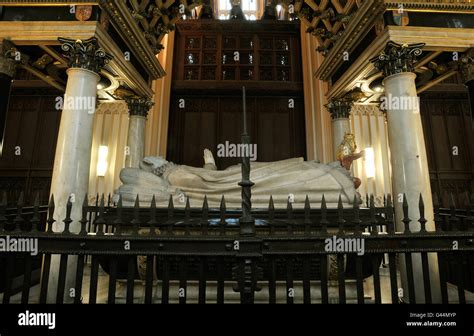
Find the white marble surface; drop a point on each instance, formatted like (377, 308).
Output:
(72, 162)
(291, 178)
(410, 174)
(136, 141)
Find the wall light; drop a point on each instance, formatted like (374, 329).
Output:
(102, 160)
(278, 10)
(369, 162)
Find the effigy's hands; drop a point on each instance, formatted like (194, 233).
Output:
(358, 155)
(208, 157)
(347, 160)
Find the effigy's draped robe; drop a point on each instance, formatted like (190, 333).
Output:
(278, 179)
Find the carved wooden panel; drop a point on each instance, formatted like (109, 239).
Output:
(276, 128)
(449, 141)
(30, 142)
(235, 51)
(325, 19)
(206, 103)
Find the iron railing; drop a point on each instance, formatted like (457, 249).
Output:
(199, 247)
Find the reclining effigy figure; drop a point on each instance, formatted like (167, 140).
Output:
(280, 179)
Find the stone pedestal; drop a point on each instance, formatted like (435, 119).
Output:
(410, 173)
(138, 111)
(73, 150)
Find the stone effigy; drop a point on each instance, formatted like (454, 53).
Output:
(292, 178)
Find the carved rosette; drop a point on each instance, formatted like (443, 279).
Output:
(84, 54)
(467, 66)
(398, 58)
(339, 108)
(7, 59)
(139, 106)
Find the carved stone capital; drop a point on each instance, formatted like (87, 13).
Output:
(466, 65)
(339, 108)
(397, 58)
(139, 106)
(85, 54)
(7, 58)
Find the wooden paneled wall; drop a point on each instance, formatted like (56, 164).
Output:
(26, 162)
(206, 122)
(449, 138)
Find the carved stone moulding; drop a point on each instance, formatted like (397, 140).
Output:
(367, 110)
(360, 23)
(235, 26)
(138, 106)
(398, 58)
(7, 66)
(128, 28)
(467, 66)
(7, 58)
(85, 54)
(431, 6)
(339, 108)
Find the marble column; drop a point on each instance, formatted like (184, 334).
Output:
(410, 174)
(7, 71)
(138, 112)
(467, 72)
(340, 110)
(73, 150)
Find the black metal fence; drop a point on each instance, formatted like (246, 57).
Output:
(195, 255)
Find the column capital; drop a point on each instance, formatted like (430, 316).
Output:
(139, 106)
(466, 65)
(7, 58)
(339, 108)
(397, 58)
(84, 54)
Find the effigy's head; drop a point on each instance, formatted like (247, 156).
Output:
(151, 163)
